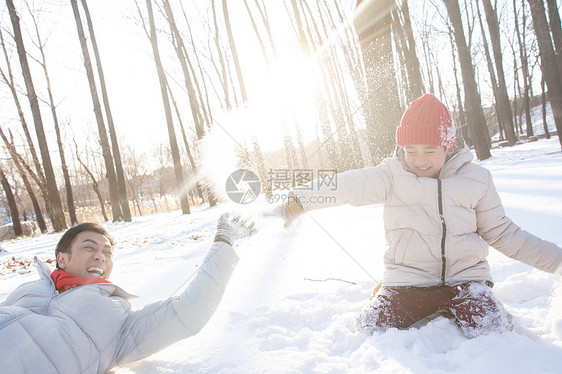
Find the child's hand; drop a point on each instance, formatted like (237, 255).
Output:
(289, 210)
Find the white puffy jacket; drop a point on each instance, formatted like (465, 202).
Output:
(437, 229)
(91, 328)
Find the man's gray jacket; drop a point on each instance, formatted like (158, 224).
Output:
(91, 328)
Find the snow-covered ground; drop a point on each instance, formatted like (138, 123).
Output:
(281, 315)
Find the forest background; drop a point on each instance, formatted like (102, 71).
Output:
(110, 110)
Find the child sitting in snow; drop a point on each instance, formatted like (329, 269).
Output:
(441, 212)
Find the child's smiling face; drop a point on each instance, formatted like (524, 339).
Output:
(425, 160)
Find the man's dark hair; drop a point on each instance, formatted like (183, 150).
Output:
(67, 238)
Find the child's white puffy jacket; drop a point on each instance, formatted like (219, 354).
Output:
(91, 328)
(438, 229)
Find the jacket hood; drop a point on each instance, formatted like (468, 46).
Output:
(461, 156)
(45, 271)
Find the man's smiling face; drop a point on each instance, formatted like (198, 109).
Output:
(90, 255)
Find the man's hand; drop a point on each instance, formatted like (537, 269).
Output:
(231, 228)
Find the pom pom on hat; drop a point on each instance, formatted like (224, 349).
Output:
(427, 121)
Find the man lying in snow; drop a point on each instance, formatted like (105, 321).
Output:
(73, 320)
(441, 212)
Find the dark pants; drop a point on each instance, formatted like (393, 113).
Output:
(471, 305)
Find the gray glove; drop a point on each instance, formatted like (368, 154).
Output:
(231, 228)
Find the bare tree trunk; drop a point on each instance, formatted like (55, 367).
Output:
(524, 64)
(475, 115)
(415, 87)
(504, 104)
(317, 40)
(556, 30)
(57, 218)
(352, 54)
(38, 176)
(543, 104)
(330, 96)
(439, 81)
(231, 81)
(36, 207)
(10, 82)
(265, 20)
(223, 76)
(426, 52)
(461, 116)
(16, 158)
(166, 102)
(180, 48)
(336, 102)
(186, 144)
(300, 30)
(11, 204)
(104, 141)
(516, 86)
(336, 85)
(258, 34)
(13, 152)
(205, 118)
(67, 183)
(205, 105)
(548, 62)
(382, 110)
(121, 186)
(234, 52)
(492, 76)
(469, 25)
(208, 118)
(400, 47)
(95, 185)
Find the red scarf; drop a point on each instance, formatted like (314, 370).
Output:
(64, 281)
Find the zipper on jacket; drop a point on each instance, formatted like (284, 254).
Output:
(444, 234)
(48, 306)
(54, 294)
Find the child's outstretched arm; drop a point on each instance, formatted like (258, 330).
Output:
(355, 187)
(505, 236)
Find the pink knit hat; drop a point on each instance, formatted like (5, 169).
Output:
(427, 121)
